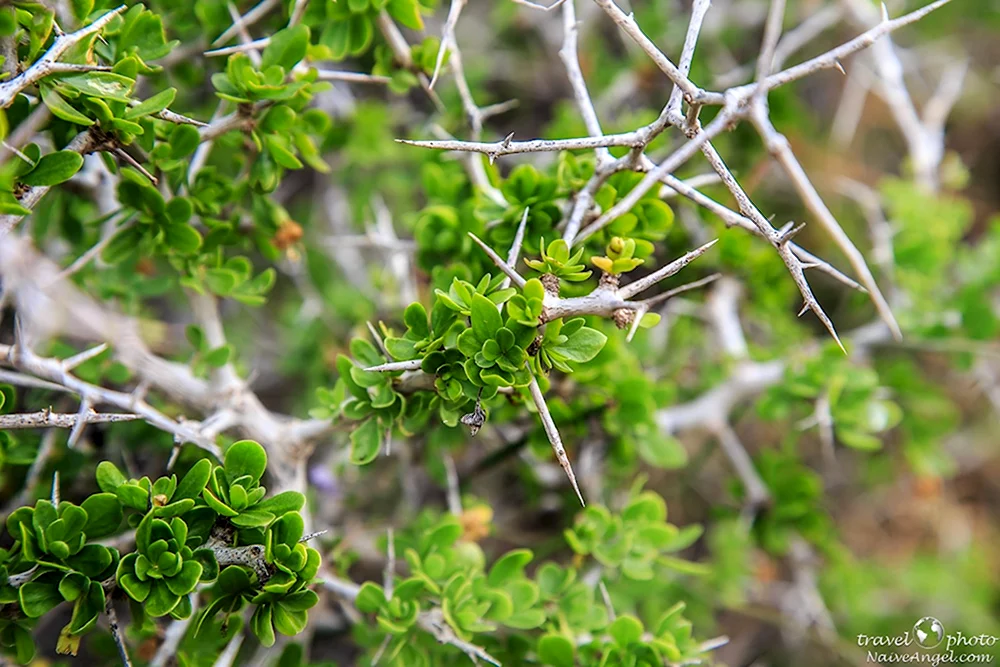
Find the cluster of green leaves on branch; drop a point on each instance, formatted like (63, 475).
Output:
(553, 617)
(213, 525)
(479, 339)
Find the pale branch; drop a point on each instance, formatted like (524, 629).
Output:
(228, 656)
(255, 45)
(255, 14)
(173, 635)
(540, 7)
(448, 39)
(515, 246)
(348, 77)
(52, 370)
(605, 164)
(814, 25)
(253, 54)
(687, 287)
(401, 52)
(671, 269)
(627, 23)
(116, 631)
(553, 434)
(832, 58)
(769, 43)
(851, 107)
(507, 146)
(389, 573)
(399, 260)
(48, 63)
(604, 301)
(778, 146)
(698, 10)
(667, 166)
(748, 379)
(571, 61)
(95, 250)
(46, 418)
(734, 219)
(756, 491)
(53, 306)
(454, 490)
(171, 116)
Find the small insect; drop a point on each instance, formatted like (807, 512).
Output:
(475, 419)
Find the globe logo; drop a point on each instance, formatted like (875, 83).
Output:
(929, 632)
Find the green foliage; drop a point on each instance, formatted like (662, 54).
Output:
(265, 197)
(556, 260)
(554, 607)
(184, 532)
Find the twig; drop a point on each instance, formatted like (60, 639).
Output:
(116, 632)
(46, 418)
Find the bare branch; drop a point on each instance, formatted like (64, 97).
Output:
(698, 10)
(646, 282)
(45, 418)
(627, 23)
(830, 59)
(778, 146)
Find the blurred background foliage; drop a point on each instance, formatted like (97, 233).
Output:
(881, 465)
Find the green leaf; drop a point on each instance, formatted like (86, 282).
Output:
(185, 581)
(556, 650)
(662, 450)
(87, 609)
(509, 566)
(133, 496)
(161, 600)
(182, 238)
(245, 457)
(72, 585)
(261, 625)
(60, 108)
(184, 139)
(625, 630)
(486, 319)
(406, 12)
(153, 105)
(54, 168)
(105, 85)
(282, 503)
(286, 48)
(194, 481)
(38, 598)
(104, 515)
(370, 598)
(109, 477)
(583, 345)
(366, 441)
